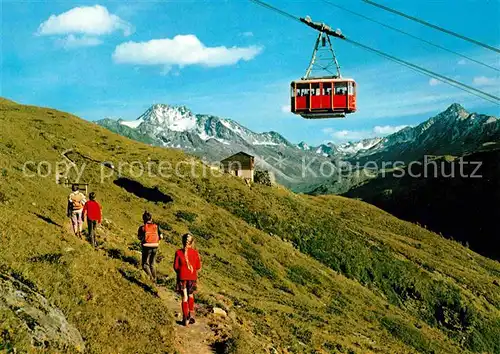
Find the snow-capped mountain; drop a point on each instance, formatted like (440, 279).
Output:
(452, 132)
(177, 126)
(352, 148)
(303, 146)
(214, 138)
(326, 150)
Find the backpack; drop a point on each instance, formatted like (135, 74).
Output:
(77, 202)
(151, 233)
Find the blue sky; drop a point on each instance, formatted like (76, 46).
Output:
(235, 59)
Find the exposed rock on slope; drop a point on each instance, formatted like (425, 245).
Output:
(45, 325)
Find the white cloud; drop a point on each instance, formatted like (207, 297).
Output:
(355, 135)
(462, 62)
(286, 108)
(347, 135)
(182, 50)
(486, 81)
(89, 20)
(388, 129)
(434, 82)
(72, 41)
(247, 34)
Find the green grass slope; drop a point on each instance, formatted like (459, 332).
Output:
(299, 274)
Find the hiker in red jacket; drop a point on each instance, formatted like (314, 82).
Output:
(187, 264)
(92, 210)
(150, 236)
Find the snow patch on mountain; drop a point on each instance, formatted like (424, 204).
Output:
(132, 124)
(353, 148)
(491, 120)
(169, 117)
(303, 146)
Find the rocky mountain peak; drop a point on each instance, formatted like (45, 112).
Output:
(175, 118)
(303, 146)
(456, 111)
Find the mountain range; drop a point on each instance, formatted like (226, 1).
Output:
(454, 131)
(213, 139)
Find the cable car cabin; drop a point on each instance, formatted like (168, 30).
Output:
(323, 97)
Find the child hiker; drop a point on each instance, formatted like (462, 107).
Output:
(92, 210)
(150, 236)
(187, 264)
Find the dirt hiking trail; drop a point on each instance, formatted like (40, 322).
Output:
(194, 339)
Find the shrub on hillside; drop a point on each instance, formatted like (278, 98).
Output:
(3, 198)
(301, 275)
(407, 334)
(201, 231)
(186, 215)
(164, 226)
(262, 177)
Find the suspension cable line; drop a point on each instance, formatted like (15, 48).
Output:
(410, 35)
(425, 23)
(442, 78)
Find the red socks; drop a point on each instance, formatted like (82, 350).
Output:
(185, 309)
(191, 304)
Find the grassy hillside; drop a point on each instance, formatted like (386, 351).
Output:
(299, 274)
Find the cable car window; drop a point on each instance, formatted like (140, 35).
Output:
(327, 91)
(315, 90)
(351, 88)
(302, 90)
(341, 88)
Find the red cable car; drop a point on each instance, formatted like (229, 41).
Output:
(326, 96)
(323, 97)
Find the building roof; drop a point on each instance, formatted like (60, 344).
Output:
(239, 153)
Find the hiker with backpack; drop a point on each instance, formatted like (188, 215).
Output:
(76, 203)
(92, 210)
(187, 263)
(150, 235)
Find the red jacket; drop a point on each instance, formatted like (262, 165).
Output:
(180, 265)
(93, 210)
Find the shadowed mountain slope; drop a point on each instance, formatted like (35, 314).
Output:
(458, 197)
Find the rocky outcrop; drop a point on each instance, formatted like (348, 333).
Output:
(45, 325)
